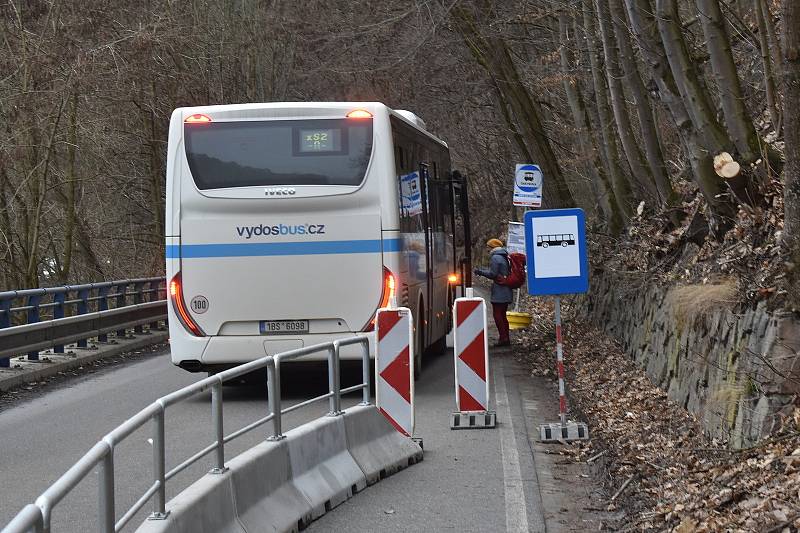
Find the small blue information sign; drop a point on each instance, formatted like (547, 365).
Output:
(555, 245)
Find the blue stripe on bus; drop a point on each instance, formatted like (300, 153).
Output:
(261, 249)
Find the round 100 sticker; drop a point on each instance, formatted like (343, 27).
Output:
(199, 304)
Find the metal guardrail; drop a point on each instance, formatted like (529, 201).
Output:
(36, 517)
(37, 319)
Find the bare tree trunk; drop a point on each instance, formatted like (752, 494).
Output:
(737, 119)
(791, 172)
(605, 192)
(69, 191)
(156, 169)
(622, 187)
(644, 25)
(697, 100)
(693, 94)
(655, 155)
(492, 53)
(515, 134)
(639, 170)
(774, 43)
(8, 256)
(766, 60)
(40, 180)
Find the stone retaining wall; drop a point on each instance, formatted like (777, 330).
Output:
(737, 370)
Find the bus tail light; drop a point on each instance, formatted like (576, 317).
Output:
(179, 305)
(388, 295)
(389, 287)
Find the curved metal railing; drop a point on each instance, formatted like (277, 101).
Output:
(37, 516)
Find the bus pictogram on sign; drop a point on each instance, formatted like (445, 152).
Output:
(562, 239)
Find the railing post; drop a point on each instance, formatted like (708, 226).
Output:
(58, 312)
(365, 373)
(219, 431)
(121, 301)
(33, 317)
(105, 483)
(159, 468)
(274, 397)
(83, 308)
(154, 298)
(5, 322)
(102, 305)
(138, 287)
(333, 380)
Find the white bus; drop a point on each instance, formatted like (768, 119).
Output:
(290, 224)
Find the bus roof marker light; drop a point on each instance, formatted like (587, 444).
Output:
(197, 119)
(359, 113)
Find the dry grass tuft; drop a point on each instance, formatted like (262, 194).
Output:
(691, 303)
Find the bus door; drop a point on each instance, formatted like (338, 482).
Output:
(443, 261)
(462, 228)
(429, 257)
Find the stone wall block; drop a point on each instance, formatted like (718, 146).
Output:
(736, 370)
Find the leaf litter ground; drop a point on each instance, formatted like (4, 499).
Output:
(657, 466)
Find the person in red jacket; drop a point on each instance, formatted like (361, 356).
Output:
(501, 295)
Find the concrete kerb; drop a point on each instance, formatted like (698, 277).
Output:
(376, 446)
(40, 370)
(284, 485)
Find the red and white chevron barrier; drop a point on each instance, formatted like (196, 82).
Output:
(394, 368)
(471, 355)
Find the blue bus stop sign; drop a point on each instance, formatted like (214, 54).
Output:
(555, 245)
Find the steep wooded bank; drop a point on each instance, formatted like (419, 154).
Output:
(674, 115)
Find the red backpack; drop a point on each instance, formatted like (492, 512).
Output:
(516, 273)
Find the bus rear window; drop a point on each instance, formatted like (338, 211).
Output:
(278, 152)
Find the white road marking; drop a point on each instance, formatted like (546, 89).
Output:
(516, 511)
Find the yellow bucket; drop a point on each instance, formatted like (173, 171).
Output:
(518, 320)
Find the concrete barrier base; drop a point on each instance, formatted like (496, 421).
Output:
(264, 495)
(285, 485)
(376, 446)
(322, 467)
(204, 507)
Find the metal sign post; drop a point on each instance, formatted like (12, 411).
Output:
(555, 241)
(515, 243)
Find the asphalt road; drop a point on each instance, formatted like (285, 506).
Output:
(470, 480)
(42, 436)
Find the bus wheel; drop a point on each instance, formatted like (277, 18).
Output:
(545, 245)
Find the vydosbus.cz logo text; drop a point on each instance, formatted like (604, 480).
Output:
(260, 230)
